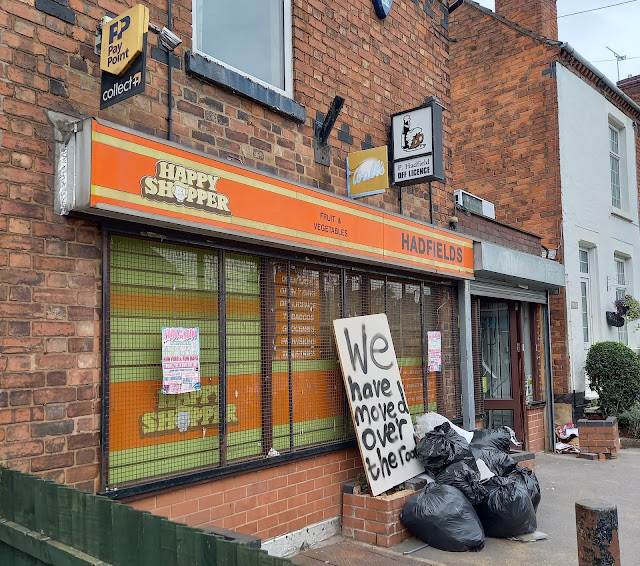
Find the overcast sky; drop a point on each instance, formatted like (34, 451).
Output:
(617, 27)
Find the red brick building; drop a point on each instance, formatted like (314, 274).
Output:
(92, 269)
(59, 414)
(631, 87)
(523, 104)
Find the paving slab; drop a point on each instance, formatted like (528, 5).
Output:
(564, 479)
(347, 552)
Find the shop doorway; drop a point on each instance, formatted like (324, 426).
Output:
(503, 364)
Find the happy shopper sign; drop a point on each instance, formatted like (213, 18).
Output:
(377, 400)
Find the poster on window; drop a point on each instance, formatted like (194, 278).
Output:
(434, 351)
(180, 360)
(377, 400)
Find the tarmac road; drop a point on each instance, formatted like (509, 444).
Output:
(564, 479)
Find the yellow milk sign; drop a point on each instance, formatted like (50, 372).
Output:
(367, 172)
(123, 40)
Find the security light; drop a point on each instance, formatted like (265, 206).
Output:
(169, 40)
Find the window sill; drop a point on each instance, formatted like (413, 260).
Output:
(209, 71)
(622, 214)
(536, 404)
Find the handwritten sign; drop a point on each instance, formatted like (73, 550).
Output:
(377, 400)
(180, 360)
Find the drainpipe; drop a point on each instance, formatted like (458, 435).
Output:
(169, 53)
(466, 356)
(551, 431)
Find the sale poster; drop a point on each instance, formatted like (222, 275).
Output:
(434, 351)
(180, 360)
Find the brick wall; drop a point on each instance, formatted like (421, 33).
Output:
(535, 429)
(599, 437)
(375, 520)
(264, 503)
(50, 266)
(490, 230)
(505, 133)
(631, 87)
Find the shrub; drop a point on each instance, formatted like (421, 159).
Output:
(631, 420)
(614, 373)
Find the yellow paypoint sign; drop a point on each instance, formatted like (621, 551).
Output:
(123, 39)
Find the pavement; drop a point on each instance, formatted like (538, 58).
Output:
(564, 479)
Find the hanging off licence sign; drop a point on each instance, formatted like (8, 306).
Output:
(417, 144)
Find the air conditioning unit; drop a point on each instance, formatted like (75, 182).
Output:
(474, 203)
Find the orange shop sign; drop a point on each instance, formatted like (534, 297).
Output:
(111, 171)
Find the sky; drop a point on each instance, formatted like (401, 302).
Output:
(617, 27)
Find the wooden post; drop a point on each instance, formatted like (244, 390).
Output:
(597, 527)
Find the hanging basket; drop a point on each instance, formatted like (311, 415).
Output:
(614, 319)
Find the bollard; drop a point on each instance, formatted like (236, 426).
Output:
(597, 526)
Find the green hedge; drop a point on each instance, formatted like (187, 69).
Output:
(614, 373)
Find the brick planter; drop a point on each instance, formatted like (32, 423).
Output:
(599, 437)
(375, 520)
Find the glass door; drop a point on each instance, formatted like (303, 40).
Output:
(501, 374)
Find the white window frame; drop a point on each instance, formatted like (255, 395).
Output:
(617, 149)
(585, 296)
(288, 52)
(621, 270)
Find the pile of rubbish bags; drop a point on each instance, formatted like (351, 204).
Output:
(479, 490)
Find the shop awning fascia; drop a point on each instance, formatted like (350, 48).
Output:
(375, 236)
(498, 263)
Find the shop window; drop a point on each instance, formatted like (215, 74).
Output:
(154, 285)
(269, 373)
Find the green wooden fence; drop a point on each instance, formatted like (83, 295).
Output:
(44, 523)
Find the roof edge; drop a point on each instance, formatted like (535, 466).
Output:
(573, 53)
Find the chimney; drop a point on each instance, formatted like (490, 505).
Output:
(538, 16)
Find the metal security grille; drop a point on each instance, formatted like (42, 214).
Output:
(307, 401)
(154, 285)
(441, 314)
(477, 357)
(270, 378)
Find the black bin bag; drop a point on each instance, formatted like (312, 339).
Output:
(462, 477)
(499, 462)
(507, 510)
(441, 516)
(441, 447)
(528, 479)
(492, 438)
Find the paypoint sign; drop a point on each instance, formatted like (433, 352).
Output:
(123, 56)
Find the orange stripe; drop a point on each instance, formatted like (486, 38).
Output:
(314, 397)
(228, 229)
(140, 302)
